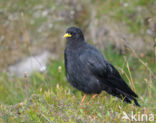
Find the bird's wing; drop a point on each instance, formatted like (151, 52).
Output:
(115, 79)
(104, 71)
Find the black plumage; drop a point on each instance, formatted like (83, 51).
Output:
(88, 71)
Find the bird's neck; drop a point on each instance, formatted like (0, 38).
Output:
(74, 44)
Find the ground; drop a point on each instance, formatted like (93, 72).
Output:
(123, 30)
(48, 97)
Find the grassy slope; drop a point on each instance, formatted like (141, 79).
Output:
(49, 97)
(38, 21)
(132, 13)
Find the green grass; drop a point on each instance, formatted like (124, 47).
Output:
(128, 12)
(48, 97)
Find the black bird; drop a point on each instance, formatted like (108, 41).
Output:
(88, 71)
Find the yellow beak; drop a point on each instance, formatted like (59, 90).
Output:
(67, 35)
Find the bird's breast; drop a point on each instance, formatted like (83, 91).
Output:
(74, 67)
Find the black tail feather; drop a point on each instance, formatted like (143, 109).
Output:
(128, 97)
(122, 95)
(129, 100)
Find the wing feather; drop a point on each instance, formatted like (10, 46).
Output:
(104, 71)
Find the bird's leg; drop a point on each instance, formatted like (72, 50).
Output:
(83, 99)
(92, 97)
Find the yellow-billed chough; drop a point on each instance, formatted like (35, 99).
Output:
(88, 71)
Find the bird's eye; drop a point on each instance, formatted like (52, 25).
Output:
(72, 33)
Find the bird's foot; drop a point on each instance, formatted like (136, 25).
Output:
(83, 99)
(92, 98)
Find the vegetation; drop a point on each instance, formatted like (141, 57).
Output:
(48, 97)
(41, 24)
(133, 13)
(27, 26)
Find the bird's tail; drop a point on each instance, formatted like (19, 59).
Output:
(128, 98)
(122, 95)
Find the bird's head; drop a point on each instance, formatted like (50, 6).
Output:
(74, 34)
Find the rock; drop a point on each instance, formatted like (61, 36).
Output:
(31, 64)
